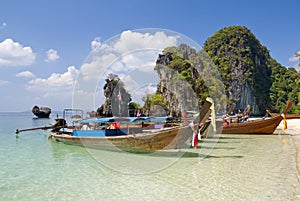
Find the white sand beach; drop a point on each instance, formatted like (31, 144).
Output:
(293, 129)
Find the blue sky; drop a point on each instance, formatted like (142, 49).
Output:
(44, 44)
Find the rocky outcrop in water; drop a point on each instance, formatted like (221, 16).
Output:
(41, 112)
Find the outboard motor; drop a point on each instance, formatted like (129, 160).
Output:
(59, 124)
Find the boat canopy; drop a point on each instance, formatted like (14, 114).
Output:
(98, 120)
(122, 119)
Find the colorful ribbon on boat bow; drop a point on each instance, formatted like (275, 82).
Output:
(284, 121)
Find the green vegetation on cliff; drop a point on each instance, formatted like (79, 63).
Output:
(186, 79)
(285, 86)
(250, 74)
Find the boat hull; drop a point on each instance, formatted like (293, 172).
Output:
(170, 138)
(262, 126)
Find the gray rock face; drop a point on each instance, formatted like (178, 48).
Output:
(244, 65)
(245, 83)
(41, 112)
(176, 90)
(117, 98)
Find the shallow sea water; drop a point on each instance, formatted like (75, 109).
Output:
(226, 167)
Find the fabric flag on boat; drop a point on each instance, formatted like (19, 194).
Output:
(199, 132)
(119, 96)
(199, 136)
(195, 140)
(138, 114)
(284, 122)
(195, 136)
(247, 109)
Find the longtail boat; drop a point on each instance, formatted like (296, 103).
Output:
(260, 126)
(133, 137)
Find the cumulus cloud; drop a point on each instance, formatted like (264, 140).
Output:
(56, 81)
(57, 87)
(52, 55)
(130, 40)
(26, 74)
(14, 54)
(96, 43)
(128, 52)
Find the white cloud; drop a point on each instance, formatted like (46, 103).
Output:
(14, 54)
(295, 57)
(56, 90)
(3, 82)
(130, 40)
(26, 74)
(52, 55)
(128, 52)
(3, 25)
(96, 43)
(143, 60)
(295, 60)
(56, 82)
(92, 70)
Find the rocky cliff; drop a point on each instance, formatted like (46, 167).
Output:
(117, 98)
(174, 89)
(244, 67)
(185, 79)
(250, 75)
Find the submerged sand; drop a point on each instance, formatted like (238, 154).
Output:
(293, 129)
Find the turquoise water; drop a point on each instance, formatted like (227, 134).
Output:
(229, 167)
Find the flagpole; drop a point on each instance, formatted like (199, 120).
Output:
(119, 108)
(119, 98)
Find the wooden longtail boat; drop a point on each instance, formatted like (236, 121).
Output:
(261, 126)
(128, 139)
(161, 139)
